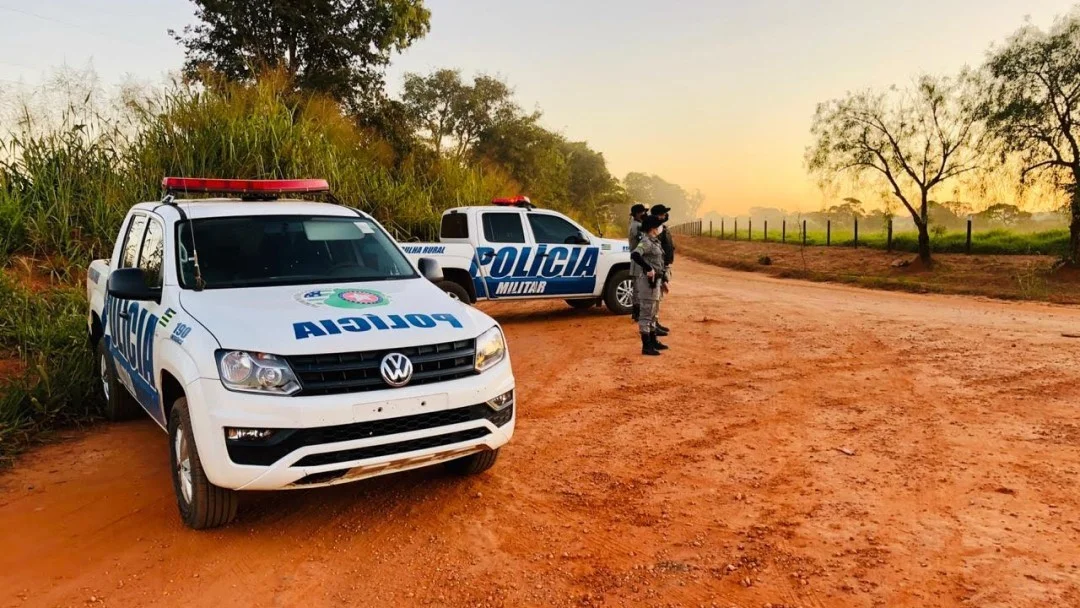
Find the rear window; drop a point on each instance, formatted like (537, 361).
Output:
(455, 226)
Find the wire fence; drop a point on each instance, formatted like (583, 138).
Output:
(879, 236)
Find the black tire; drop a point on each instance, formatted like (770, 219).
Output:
(455, 291)
(119, 403)
(613, 293)
(208, 506)
(581, 304)
(474, 463)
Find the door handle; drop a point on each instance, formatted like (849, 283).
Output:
(123, 314)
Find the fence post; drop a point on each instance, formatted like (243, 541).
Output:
(967, 247)
(721, 228)
(804, 233)
(783, 230)
(749, 229)
(828, 232)
(856, 232)
(888, 241)
(736, 233)
(766, 231)
(710, 227)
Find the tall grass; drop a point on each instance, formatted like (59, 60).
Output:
(50, 379)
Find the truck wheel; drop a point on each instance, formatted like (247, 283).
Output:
(455, 291)
(581, 304)
(619, 293)
(473, 464)
(202, 504)
(119, 404)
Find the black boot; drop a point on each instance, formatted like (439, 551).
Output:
(635, 312)
(661, 330)
(647, 347)
(656, 343)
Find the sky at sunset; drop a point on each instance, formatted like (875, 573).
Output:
(715, 95)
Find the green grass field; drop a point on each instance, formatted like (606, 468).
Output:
(990, 242)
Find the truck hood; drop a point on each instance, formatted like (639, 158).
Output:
(342, 317)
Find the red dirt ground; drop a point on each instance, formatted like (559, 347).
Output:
(801, 444)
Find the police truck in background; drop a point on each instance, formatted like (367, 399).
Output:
(289, 344)
(512, 250)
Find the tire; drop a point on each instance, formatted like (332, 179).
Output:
(202, 504)
(473, 464)
(581, 304)
(119, 403)
(619, 293)
(455, 291)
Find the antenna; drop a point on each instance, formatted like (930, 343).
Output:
(170, 200)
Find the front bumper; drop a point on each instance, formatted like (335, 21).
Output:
(330, 439)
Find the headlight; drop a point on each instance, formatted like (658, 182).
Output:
(490, 349)
(255, 373)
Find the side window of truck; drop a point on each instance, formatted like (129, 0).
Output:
(129, 257)
(153, 252)
(554, 230)
(503, 227)
(454, 226)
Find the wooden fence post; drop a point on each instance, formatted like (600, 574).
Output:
(967, 246)
(828, 232)
(804, 233)
(766, 231)
(856, 232)
(749, 229)
(721, 228)
(888, 241)
(736, 233)
(783, 230)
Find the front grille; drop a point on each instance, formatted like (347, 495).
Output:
(286, 441)
(357, 372)
(387, 449)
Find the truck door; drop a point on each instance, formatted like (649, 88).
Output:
(132, 327)
(507, 259)
(570, 258)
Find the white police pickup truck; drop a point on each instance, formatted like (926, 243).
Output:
(289, 344)
(513, 251)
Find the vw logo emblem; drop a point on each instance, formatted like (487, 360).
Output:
(396, 369)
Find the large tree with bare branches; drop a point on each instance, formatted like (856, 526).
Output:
(912, 140)
(1033, 106)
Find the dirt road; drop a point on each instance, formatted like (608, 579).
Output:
(800, 445)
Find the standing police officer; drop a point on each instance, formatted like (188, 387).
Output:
(637, 212)
(666, 242)
(648, 256)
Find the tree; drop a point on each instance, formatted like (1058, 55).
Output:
(444, 107)
(652, 189)
(1033, 107)
(592, 189)
(336, 47)
(913, 140)
(1003, 213)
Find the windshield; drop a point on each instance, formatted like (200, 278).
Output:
(287, 250)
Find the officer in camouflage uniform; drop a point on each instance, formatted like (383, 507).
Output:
(648, 256)
(636, 213)
(662, 212)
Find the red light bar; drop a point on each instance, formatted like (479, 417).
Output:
(512, 201)
(244, 186)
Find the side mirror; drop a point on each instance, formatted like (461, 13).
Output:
(431, 269)
(130, 284)
(577, 239)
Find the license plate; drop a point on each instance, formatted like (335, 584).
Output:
(393, 408)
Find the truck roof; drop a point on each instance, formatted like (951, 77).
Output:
(232, 207)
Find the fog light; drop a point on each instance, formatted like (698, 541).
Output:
(502, 401)
(248, 434)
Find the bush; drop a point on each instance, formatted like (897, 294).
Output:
(54, 382)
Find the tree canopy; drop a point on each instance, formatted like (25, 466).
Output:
(336, 47)
(1033, 106)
